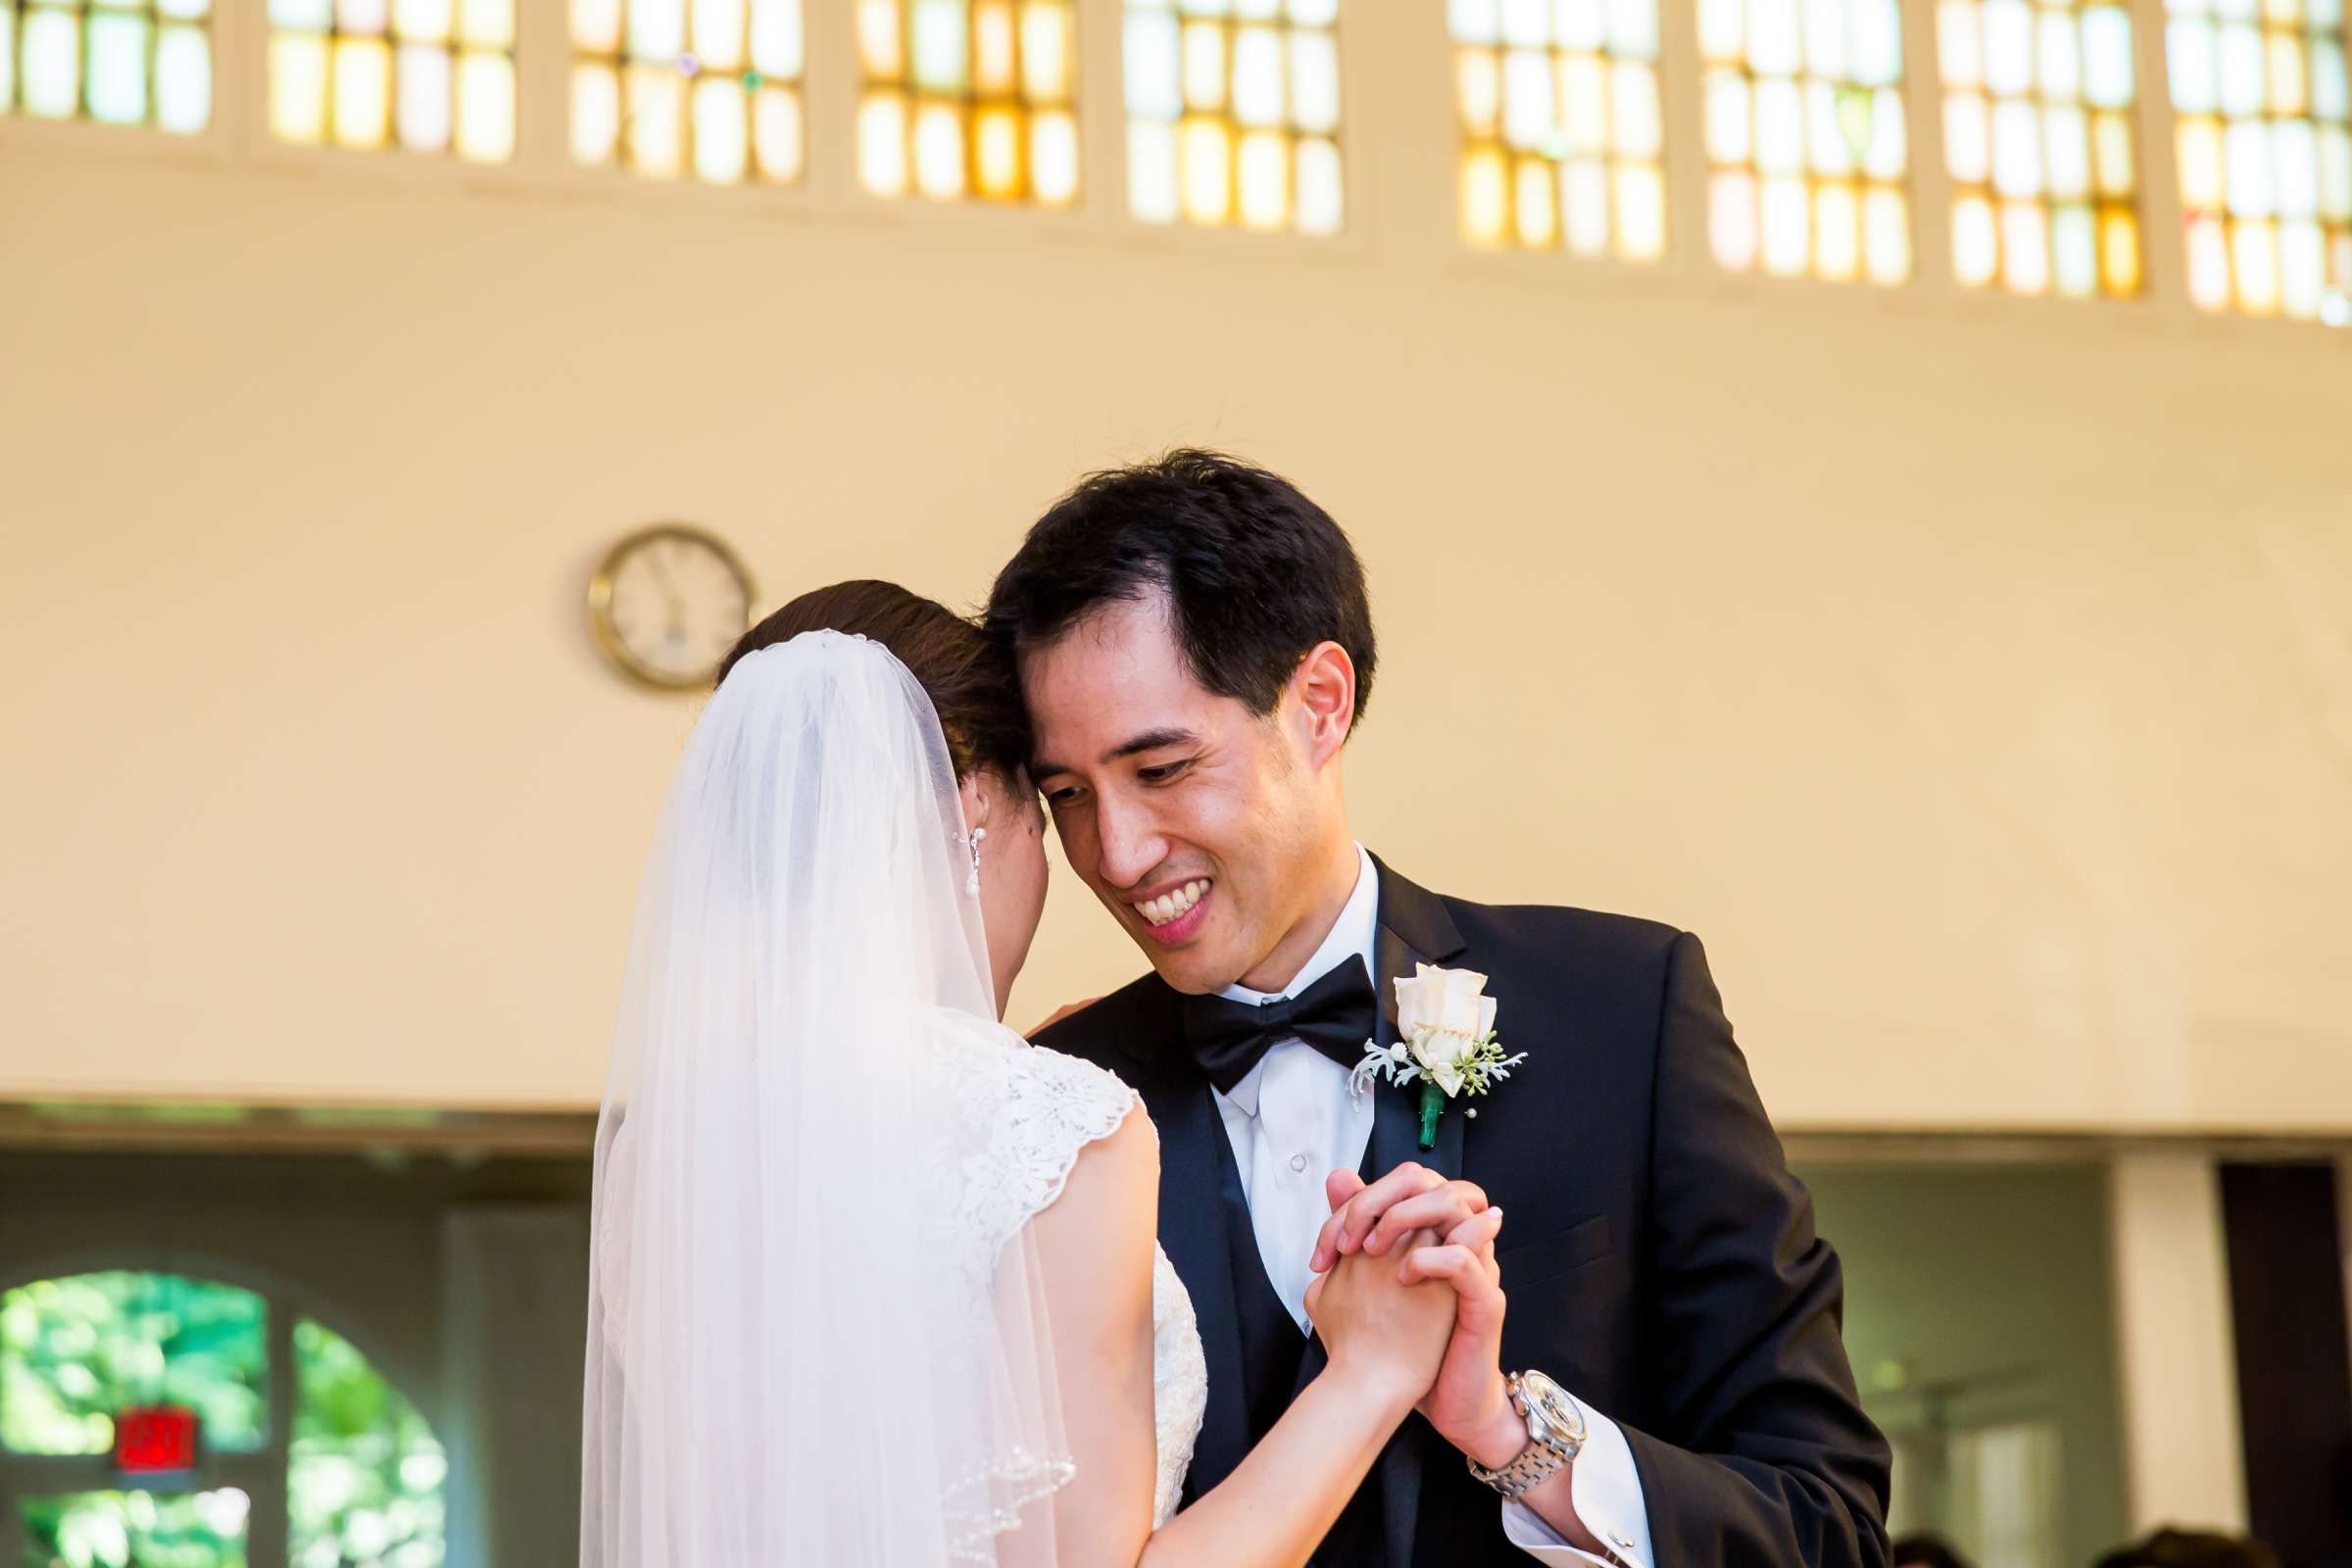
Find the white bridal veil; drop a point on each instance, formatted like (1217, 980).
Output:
(814, 1341)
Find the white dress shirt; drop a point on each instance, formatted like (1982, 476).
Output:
(1293, 1122)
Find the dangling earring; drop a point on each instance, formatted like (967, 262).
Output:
(971, 884)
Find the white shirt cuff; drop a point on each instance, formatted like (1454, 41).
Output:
(1606, 1490)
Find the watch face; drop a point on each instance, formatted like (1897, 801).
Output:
(1549, 1403)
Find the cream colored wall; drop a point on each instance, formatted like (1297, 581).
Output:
(1972, 674)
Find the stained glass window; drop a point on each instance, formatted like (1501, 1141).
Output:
(2264, 140)
(425, 75)
(75, 1351)
(1806, 148)
(1233, 112)
(712, 87)
(2037, 136)
(118, 62)
(1561, 131)
(969, 98)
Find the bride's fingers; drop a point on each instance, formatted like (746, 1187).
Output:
(1478, 1231)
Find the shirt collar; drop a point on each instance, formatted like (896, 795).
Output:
(1351, 936)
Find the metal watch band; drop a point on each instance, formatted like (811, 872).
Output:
(1537, 1463)
(1542, 1458)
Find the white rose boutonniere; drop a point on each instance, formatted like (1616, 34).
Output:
(1449, 1047)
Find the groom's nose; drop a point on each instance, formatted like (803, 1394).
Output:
(1128, 841)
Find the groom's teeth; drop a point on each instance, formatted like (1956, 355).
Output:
(1168, 906)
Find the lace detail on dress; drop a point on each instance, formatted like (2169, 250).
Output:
(1029, 1113)
(1179, 1383)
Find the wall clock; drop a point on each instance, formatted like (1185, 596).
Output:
(668, 603)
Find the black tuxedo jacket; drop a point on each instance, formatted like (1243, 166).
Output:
(1660, 1261)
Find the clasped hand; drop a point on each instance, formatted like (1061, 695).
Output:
(1377, 1301)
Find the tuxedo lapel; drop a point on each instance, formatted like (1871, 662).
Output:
(1414, 928)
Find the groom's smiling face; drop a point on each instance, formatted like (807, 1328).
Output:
(1211, 833)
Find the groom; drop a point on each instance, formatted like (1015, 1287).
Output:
(1196, 646)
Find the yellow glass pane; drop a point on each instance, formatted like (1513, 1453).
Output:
(115, 85)
(882, 143)
(2254, 264)
(2119, 252)
(996, 152)
(1583, 107)
(1206, 163)
(1641, 191)
(595, 27)
(2285, 75)
(2198, 150)
(424, 21)
(722, 131)
(1485, 193)
(1263, 172)
(1053, 157)
(939, 152)
(1635, 127)
(485, 107)
(1478, 90)
(721, 37)
(1204, 66)
(362, 92)
(655, 98)
(595, 112)
(777, 134)
(488, 23)
(1048, 51)
(881, 49)
(298, 87)
(1959, 42)
(996, 48)
(1730, 117)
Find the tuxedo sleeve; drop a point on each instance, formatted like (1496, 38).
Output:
(1760, 1452)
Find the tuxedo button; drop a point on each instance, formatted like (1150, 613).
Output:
(1298, 1162)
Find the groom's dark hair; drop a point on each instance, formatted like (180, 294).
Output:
(1256, 574)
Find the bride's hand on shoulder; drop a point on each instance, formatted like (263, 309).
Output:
(1380, 1329)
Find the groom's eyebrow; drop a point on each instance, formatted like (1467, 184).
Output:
(1151, 740)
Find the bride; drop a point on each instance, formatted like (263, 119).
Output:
(874, 1282)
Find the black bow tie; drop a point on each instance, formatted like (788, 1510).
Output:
(1336, 1015)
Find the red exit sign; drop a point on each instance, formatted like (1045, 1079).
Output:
(150, 1438)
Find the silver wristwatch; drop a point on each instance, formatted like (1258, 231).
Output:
(1555, 1433)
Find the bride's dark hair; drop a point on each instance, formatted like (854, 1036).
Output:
(971, 684)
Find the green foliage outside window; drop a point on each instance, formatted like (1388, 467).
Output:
(72, 1351)
(363, 1480)
(136, 1530)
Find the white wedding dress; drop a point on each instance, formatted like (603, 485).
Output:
(1045, 1107)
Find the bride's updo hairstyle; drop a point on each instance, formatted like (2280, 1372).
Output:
(971, 685)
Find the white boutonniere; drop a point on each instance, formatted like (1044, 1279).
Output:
(1448, 1046)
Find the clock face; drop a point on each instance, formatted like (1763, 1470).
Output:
(668, 604)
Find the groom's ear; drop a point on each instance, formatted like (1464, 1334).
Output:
(1324, 688)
